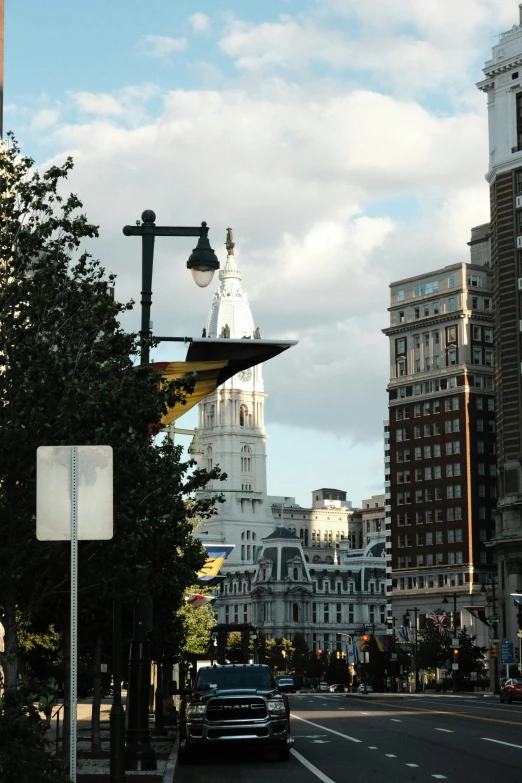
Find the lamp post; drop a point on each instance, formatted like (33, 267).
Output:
(493, 583)
(139, 756)
(415, 611)
(454, 630)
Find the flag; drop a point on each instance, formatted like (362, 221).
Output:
(478, 612)
(216, 556)
(352, 654)
(439, 623)
(517, 597)
(197, 599)
(383, 642)
(404, 633)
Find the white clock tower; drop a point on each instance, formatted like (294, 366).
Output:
(231, 428)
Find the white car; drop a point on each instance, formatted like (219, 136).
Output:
(365, 687)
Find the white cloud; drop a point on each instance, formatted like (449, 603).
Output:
(200, 23)
(160, 46)
(101, 103)
(295, 176)
(44, 119)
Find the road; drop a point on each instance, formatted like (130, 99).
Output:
(341, 739)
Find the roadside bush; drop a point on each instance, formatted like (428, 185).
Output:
(25, 755)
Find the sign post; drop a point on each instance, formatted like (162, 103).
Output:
(74, 502)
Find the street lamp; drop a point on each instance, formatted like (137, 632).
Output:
(493, 583)
(139, 756)
(416, 611)
(454, 630)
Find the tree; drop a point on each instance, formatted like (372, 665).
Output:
(197, 624)
(301, 654)
(278, 653)
(68, 375)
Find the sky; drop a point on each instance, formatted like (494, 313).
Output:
(344, 141)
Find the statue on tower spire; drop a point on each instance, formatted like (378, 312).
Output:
(230, 244)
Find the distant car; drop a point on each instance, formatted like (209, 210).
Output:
(365, 687)
(286, 684)
(336, 688)
(511, 690)
(323, 686)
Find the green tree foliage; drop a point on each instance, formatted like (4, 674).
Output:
(300, 656)
(197, 624)
(279, 653)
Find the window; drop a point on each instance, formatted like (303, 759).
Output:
(427, 408)
(456, 446)
(451, 281)
(420, 560)
(246, 459)
(427, 430)
(426, 310)
(401, 367)
(435, 308)
(488, 358)
(488, 335)
(436, 447)
(487, 308)
(475, 281)
(451, 334)
(243, 416)
(436, 335)
(429, 559)
(455, 403)
(477, 355)
(416, 340)
(491, 403)
(401, 316)
(451, 303)
(400, 296)
(426, 288)
(418, 453)
(417, 431)
(427, 452)
(437, 430)
(436, 406)
(326, 613)
(209, 458)
(480, 425)
(452, 356)
(416, 312)
(416, 410)
(479, 404)
(401, 345)
(427, 340)
(449, 470)
(474, 303)
(447, 426)
(338, 613)
(476, 333)
(438, 493)
(429, 517)
(456, 425)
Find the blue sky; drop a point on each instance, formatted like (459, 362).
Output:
(344, 142)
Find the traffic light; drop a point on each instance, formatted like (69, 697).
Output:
(494, 651)
(319, 652)
(455, 654)
(364, 642)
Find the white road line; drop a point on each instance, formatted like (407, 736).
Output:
(314, 770)
(395, 720)
(391, 755)
(440, 777)
(448, 731)
(412, 765)
(332, 731)
(510, 744)
(364, 713)
(373, 747)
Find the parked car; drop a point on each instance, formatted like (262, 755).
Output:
(234, 704)
(323, 686)
(511, 690)
(365, 687)
(337, 688)
(286, 684)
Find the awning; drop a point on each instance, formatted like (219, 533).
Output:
(215, 361)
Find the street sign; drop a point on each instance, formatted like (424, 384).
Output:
(519, 634)
(455, 642)
(455, 667)
(493, 618)
(447, 664)
(393, 656)
(507, 651)
(103, 668)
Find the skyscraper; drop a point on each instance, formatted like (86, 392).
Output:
(442, 433)
(503, 86)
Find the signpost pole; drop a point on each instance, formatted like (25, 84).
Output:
(74, 612)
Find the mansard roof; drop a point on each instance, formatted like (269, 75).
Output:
(281, 532)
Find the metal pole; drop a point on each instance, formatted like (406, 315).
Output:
(495, 661)
(74, 612)
(117, 717)
(1, 69)
(454, 671)
(147, 260)
(415, 611)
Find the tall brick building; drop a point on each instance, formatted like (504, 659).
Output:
(503, 86)
(442, 434)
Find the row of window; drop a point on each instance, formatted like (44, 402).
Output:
(438, 558)
(450, 404)
(429, 472)
(438, 384)
(453, 492)
(447, 306)
(450, 425)
(430, 515)
(327, 614)
(454, 535)
(452, 447)
(327, 537)
(429, 581)
(432, 287)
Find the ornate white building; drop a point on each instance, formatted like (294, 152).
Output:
(231, 428)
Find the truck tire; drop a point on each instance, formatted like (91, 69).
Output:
(185, 755)
(283, 754)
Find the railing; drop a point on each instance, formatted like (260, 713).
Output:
(57, 716)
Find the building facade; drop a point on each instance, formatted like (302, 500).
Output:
(503, 87)
(442, 435)
(284, 594)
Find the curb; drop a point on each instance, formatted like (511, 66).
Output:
(172, 764)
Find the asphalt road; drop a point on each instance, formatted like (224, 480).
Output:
(339, 739)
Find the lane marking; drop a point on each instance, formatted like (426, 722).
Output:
(499, 742)
(391, 755)
(313, 769)
(395, 720)
(332, 731)
(440, 777)
(448, 731)
(364, 713)
(373, 747)
(447, 712)
(412, 765)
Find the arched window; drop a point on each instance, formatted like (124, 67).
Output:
(243, 536)
(383, 613)
(243, 416)
(209, 458)
(254, 536)
(295, 613)
(296, 573)
(246, 459)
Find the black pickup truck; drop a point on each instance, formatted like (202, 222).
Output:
(237, 704)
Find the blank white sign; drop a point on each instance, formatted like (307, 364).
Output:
(53, 493)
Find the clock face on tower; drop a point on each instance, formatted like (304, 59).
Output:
(245, 375)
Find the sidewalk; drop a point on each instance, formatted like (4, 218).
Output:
(423, 695)
(95, 768)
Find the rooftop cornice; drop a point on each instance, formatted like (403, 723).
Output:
(496, 68)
